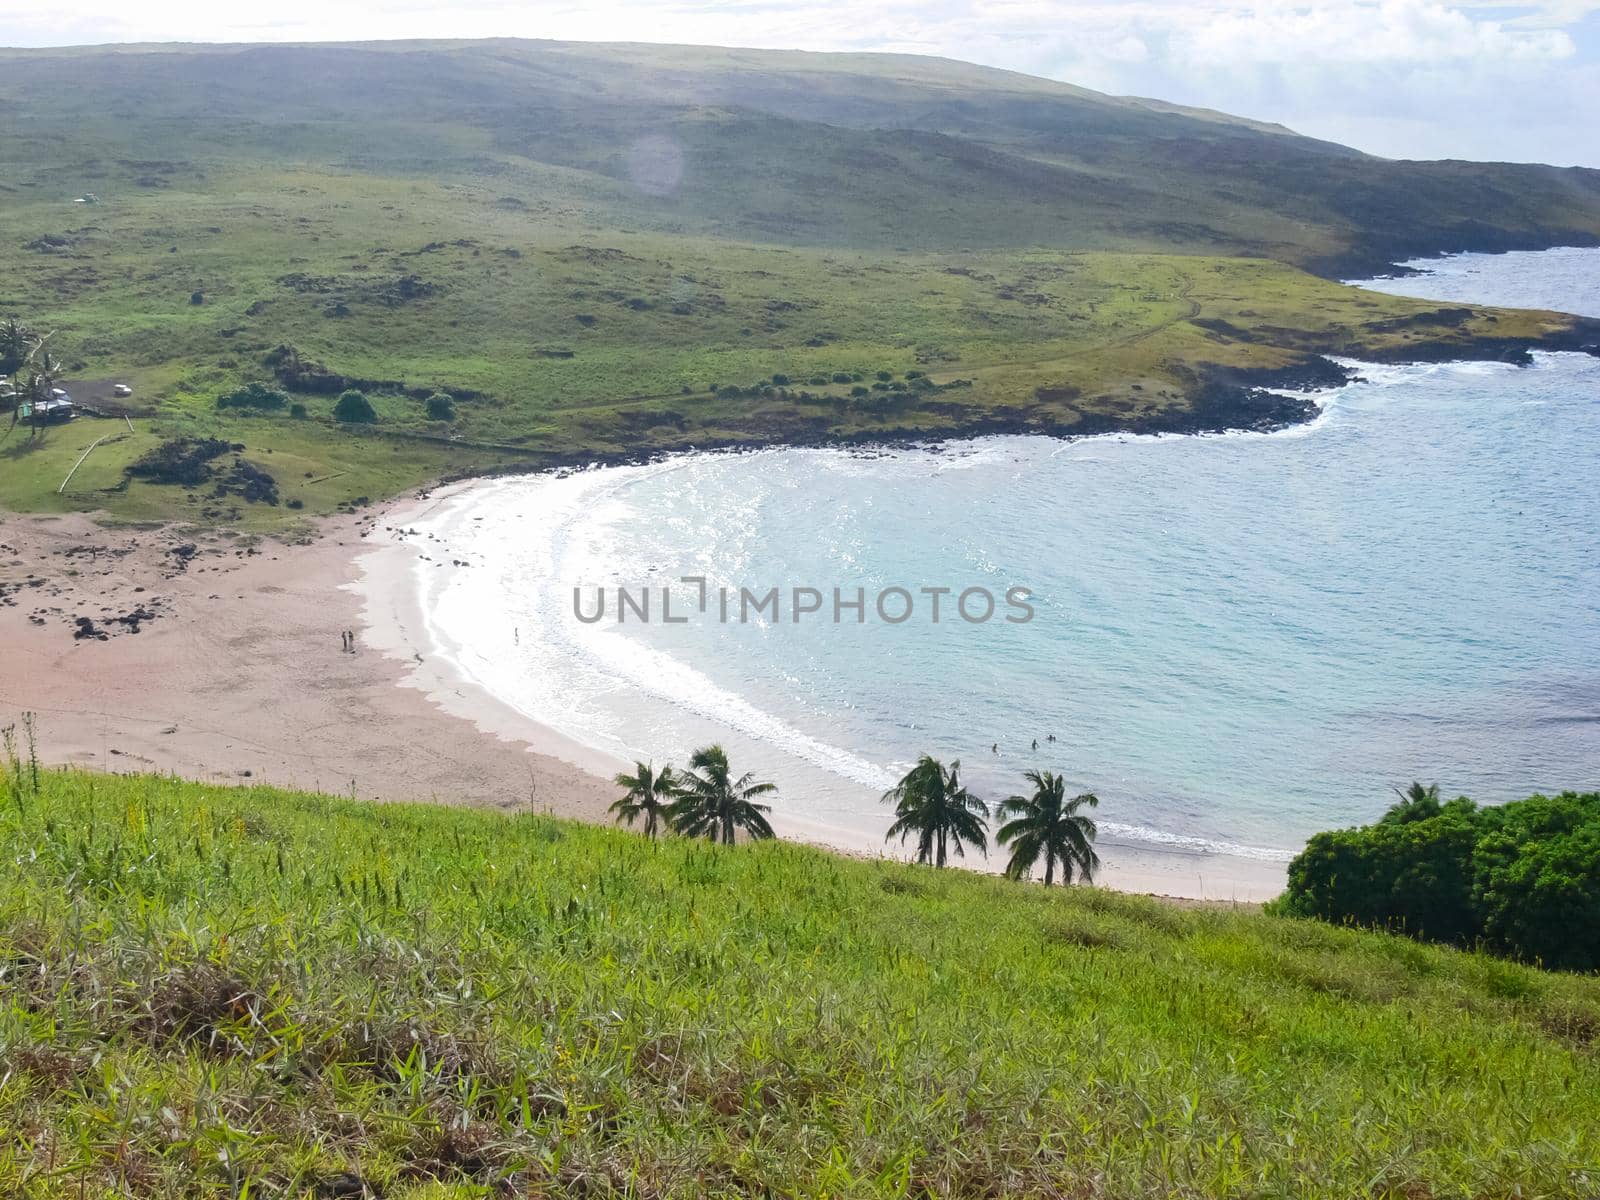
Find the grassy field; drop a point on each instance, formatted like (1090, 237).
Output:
(583, 242)
(572, 343)
(216, 992)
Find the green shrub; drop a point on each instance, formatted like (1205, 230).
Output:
(298, 411)
(354, 408)
(1537, 881)
(1521, 878)
(256, 395)
(441, 407)
(841, 377)
(780, 380)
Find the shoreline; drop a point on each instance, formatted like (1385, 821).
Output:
(240, 678)
(225, 664)
(1223, 399)
(399, 626)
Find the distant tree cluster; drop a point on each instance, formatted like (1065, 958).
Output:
(880, 394)
(1522, 879)
(352, 407)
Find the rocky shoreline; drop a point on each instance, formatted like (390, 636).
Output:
(1223, 399)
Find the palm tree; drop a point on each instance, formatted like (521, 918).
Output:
(649, 795)
(1048, 823)
(931, 803)
(711, 804)
(41, 387)
(15, 343)
(1417, 803)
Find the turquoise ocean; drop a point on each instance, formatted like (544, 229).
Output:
(1237, 640)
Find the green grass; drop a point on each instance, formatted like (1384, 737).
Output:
(834, 214)
(1045, 337)
(218, 992)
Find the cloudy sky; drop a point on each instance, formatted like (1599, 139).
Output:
(1405, 78)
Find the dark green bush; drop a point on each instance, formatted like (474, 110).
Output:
(841, 377)
(1536, 880)
(441, 407)
(1522, 879)
(354, 408)
(298, 411)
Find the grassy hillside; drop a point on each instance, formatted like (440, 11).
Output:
(580, 241)
(841, 150)
(210, 992)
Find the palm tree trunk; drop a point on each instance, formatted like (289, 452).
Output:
(941, 847)
(1049, 867)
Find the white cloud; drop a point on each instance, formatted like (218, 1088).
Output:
(1397, 31)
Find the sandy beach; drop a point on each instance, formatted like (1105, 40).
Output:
(221, 658)
(240, 675)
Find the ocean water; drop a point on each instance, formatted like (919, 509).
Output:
(1236, 640)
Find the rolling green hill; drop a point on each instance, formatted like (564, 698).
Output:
(207, 991)
(860, 151)
(606, 250)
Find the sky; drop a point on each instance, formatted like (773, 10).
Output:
(1402, 78)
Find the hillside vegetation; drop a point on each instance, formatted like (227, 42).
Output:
(1522, 878)
(602, 251)
(217, 992)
